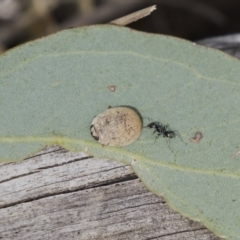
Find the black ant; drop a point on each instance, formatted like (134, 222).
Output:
(163, 130)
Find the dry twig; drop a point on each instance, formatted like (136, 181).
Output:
(134, 16)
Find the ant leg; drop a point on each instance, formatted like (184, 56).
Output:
(149, 119)
(156, 137)
(169, 145)
(178, 134)
(166, 127)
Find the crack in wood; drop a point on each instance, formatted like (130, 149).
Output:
(64, 163)
(102, 184)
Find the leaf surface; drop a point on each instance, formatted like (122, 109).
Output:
(52, 88)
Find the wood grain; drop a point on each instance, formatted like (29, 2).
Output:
(64, 195)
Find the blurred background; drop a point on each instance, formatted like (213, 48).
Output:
(25, 20)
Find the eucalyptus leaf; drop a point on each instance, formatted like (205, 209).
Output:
(51, 89)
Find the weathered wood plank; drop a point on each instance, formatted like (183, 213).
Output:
(63, 195)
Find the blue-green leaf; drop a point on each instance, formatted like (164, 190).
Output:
(52, 88)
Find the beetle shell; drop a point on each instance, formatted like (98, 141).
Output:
(117, 126)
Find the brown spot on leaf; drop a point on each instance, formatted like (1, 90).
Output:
(197, 137)
(112, 88)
